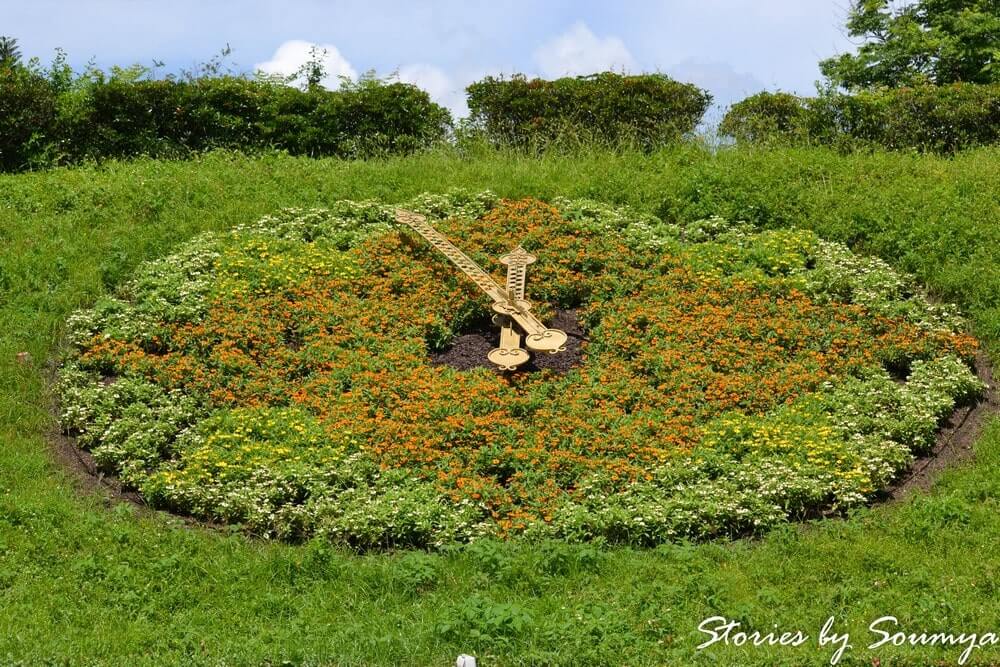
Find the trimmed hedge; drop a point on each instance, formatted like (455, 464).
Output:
(765, 117)
(649, 109)
(927, 118)
(167, 118)
(27, 118)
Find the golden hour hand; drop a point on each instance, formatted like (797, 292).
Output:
(509, 355)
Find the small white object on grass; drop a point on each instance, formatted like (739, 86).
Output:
(465, 661)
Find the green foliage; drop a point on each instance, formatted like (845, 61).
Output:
(365, 118)
(416, 571)
(27, 118)
(649, 110)
(927, 118)
(913, 43)
(926, 78)
(765, 118)
(313, 68)
(480, 620)
(54, 117)
(943, 118)
(10, 54)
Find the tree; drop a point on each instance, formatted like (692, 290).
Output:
(10, 55)
(922, 41)
(315, 70)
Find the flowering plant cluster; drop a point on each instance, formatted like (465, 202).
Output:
(278, 376)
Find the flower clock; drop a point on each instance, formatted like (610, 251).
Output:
(291, 375)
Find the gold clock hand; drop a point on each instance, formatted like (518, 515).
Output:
(517, 261)
(483, 280)
(517, 309)
(509, 355)
(539, 337)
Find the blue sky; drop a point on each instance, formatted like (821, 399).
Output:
(731, 47)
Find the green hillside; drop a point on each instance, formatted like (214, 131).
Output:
(80, 576)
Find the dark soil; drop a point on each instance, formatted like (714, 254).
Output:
(469, 350)
(83, 473)
(84, 470)
(955, 437)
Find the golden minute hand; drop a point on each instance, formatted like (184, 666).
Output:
(483, 280)
(539, 337)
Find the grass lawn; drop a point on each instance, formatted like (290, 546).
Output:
(83, 583)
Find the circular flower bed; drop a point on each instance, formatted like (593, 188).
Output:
(279, 376)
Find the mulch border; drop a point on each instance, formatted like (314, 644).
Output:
(955, 438)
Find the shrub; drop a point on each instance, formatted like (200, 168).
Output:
(939, 118)
(97, 118)
(362, 119)
(650, 109)
(27, 117)
(765, 118)
(125, 119)
(926, 118)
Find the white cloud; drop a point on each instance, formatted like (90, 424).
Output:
(580, 51)
(295, 53)
(726, 84)
(443, 88)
